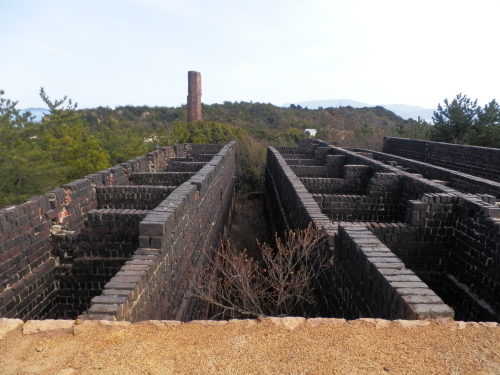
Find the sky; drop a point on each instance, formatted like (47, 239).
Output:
(138, 52)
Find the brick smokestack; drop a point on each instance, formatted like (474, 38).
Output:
(194, 96)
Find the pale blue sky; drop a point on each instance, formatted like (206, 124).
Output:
(118, 52)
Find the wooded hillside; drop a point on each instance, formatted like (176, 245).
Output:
(70, 143)
(267, 123)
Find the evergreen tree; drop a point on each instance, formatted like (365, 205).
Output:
(201, 132)
(122, 140)
(69, 143)
(486, 128)
(453, 121)
(23, 168)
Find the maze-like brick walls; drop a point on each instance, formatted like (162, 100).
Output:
(444, 241)
(406, 239)
(62, 250)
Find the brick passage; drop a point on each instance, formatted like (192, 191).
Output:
(404, 246)
(406, 239)
(86, 249)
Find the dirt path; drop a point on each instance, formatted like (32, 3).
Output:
(248, 224)
(275, 346)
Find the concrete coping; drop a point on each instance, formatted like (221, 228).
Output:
(76, 327)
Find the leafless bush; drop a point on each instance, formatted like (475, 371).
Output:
(280, 284)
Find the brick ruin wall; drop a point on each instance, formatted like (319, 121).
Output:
(473, 160)
(173, 238)
(367, 279)
(442, 243)
(62, 250)
(456, 180)
(123, 244)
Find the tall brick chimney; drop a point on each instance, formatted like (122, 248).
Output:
(194, 96)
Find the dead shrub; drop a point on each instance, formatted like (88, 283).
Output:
(281, 283)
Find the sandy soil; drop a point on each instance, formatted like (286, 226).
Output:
(273, 346)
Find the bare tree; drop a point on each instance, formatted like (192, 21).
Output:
(282, 283)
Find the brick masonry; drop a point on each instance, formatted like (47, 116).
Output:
(58, 251)
(473, 160)
(142, 197)
(386, 287)
(174, 238)
(447, 238)
(124, 243)
(456, 180)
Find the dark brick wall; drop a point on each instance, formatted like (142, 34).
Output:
(185, 166)
(160, 178)
(367, 279)
(475, 262)
(40, 267)
(27, 279)
(357, 196)
(173, 238)
(110, 238)
(358, 208)
(373, 282)
(456, 180)
(451, 244)
(132, 197)
(110, 233)
(332, 185)
(294, 161)
(289, 204)
(449, 239)
(473, 160)
(311, 171)
(58, 250)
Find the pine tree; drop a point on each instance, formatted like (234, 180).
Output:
(23, 167)
(486, 128)
(69, 142)
(453, 121)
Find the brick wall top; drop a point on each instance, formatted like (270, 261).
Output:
(474, 160)
(307, 203)
(458, 180)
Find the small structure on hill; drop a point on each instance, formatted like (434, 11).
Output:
(310, 132)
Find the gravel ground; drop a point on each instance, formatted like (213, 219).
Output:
(267, 346)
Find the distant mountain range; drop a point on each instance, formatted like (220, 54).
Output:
(403, 110)
(37, 112)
